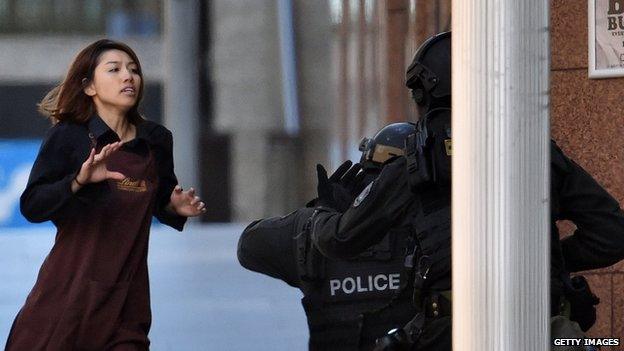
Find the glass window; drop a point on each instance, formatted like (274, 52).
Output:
(115, 18)
(335, 8)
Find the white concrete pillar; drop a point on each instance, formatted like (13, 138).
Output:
(246, 72)
(501, 175)
(288, 58)
(181, 86)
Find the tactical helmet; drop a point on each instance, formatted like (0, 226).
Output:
(429, 74)
(387, 143)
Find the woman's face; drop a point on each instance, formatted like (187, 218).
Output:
(116, 81)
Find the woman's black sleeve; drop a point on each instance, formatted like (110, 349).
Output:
(599, 239)
(162, 145)
(49, 186)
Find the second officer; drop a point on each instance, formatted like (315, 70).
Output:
(348, 302)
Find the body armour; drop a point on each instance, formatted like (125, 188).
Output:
(426, 216)
(419, 244)
(351, 302)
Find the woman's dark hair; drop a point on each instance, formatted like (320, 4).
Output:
(68, 101)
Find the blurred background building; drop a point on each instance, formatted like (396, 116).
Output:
(257, 92)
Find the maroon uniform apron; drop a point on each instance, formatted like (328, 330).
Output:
(92, 292)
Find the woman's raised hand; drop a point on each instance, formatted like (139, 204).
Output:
(94, 170)
(186, 203)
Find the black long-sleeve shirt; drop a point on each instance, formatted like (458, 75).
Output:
(66, 146)
(598, 240)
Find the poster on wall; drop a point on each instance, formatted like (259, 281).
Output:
(606, 38)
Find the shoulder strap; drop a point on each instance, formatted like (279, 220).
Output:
(310, 262)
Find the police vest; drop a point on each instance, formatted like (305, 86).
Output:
(350, 303)
(431, 258)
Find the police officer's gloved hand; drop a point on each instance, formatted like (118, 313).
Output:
(337, 191)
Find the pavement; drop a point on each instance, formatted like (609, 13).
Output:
(202, 299)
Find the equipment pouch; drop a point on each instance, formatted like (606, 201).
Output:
(310, 262)
(417, 165)
(582, 302)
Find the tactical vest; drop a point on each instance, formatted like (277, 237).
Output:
(431, 258)
(350, 303)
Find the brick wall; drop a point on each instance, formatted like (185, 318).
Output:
(587, 121)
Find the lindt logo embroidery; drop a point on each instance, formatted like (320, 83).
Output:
(130, 184)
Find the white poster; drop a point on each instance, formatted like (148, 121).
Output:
(606, 38)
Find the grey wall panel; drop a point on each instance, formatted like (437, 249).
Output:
(18, 109)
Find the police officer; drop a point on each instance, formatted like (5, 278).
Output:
(348, 302)
(597, 242)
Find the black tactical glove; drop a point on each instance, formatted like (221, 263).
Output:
(365, 222)
(338, 191)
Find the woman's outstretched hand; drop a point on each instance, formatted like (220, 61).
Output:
(186, 203)
(94, 170)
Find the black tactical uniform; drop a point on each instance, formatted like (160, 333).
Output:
(597, 242)
(425, 221)
(348, 302)
(576, 196)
